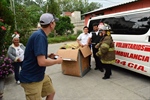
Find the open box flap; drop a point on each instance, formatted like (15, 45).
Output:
(85, 51)
(68, 54)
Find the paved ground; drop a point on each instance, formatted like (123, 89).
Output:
(123, 85)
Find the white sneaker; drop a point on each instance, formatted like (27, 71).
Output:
(18, 82)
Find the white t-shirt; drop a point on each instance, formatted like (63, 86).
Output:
(92, 32)
(83, 38)
(19, 53)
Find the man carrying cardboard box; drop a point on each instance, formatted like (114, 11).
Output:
(83, 40)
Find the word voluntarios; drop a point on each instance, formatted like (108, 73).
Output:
(133, 46)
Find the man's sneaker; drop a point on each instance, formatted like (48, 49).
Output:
(96, 68)
(18, 82)
(105, 77)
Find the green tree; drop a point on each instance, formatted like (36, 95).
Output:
(5, 2)
(64, 26)
(29, 3)
(78, 5)
(53, 7)
(34, 12)
(19, 1)
(22, 17)
(24, 23)
(6, 13)
(7, 16)
(41, 3)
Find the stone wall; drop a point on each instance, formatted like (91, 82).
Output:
(76, 20)
(78, 26)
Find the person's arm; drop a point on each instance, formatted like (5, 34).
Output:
(23, 47)
(79, 40)
(89, 39)
(10, 55)
(40, 51)
(97, 45)
(42, 61)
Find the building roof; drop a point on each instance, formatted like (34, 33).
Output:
(103, 8)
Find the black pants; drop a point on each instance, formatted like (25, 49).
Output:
(107, 68)
(90, 57)
(17, 66)
(98, 62)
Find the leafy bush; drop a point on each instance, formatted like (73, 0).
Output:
(3, 31)
(79, 32)
(72, 37)
(64, 26)
(6, 25)
(6, 67)
(51, 35)
(24, 36)
(6, 14)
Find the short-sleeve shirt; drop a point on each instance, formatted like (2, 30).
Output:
(37, 45)
(19, 53)
(83, 38)
(92, 32)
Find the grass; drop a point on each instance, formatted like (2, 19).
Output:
(64, 38)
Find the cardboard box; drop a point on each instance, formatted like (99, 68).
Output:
(75, 61)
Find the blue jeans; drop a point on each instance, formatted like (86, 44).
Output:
(17, 66)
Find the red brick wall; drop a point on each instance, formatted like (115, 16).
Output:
(67, 13)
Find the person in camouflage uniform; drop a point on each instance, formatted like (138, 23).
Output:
(106, 50)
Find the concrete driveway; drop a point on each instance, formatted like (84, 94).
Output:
(123, 85)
